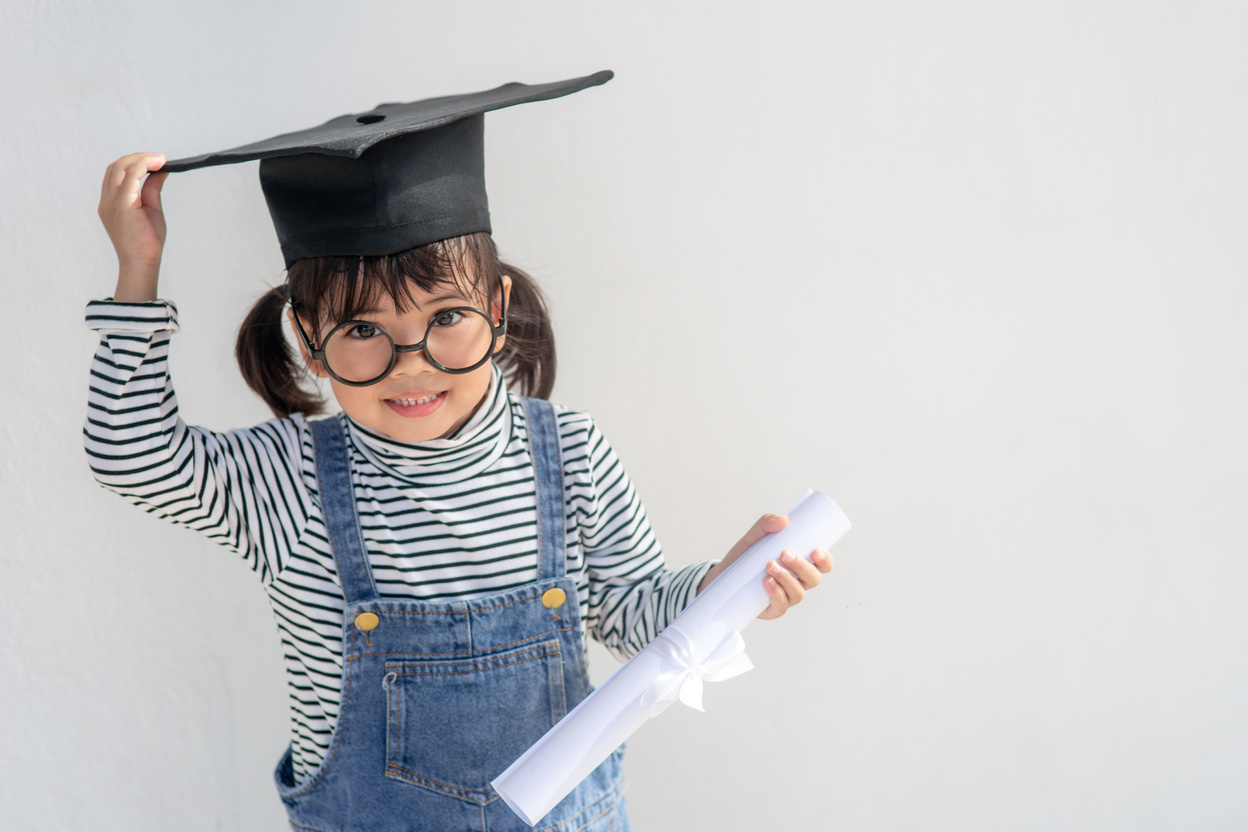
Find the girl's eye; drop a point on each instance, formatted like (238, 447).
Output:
(363, 331)
(448, 318)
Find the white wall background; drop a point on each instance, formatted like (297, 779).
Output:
(976, 269)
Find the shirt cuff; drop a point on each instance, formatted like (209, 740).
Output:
(109, 315)
(694, 574)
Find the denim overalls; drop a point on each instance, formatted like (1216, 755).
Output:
(439, 697)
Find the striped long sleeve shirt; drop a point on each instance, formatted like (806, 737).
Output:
(450, 518)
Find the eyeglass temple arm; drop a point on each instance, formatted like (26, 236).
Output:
(319, 355)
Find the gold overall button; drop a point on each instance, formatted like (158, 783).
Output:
(552, 598)
(367, 621)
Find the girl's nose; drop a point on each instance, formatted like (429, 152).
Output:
(411, 363)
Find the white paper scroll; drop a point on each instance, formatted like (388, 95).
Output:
(702, 644)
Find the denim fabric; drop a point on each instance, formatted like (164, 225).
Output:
(441, 696)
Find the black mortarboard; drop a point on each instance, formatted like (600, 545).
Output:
(380, 182)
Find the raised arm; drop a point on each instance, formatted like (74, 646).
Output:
(245, 489)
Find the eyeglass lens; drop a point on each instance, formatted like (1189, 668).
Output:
(456, 339)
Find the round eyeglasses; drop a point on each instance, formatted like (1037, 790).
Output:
(360, 353)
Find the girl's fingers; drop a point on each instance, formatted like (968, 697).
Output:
(789, 578)
(141, 162)
(807, 573)
(125, 188)
(822, 560)
(114, 175)
(779, 601)
(134, 186)
(794, 575)
(124, 176)
(784, 589)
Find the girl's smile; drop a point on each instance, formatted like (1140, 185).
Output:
(414, 406)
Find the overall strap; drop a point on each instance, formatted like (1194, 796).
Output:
(548, 473)
(342, 521)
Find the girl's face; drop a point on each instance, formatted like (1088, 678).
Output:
(416, 402)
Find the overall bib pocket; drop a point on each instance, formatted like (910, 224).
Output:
(443, 717)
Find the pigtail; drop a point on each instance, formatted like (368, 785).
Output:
(269, 366)
(528, 355)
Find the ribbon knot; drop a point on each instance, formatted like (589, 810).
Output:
(685, 681)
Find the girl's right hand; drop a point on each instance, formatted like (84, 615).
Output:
(132, 216)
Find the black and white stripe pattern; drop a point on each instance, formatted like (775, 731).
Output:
(452, 518)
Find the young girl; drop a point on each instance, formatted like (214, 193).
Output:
(436, 553)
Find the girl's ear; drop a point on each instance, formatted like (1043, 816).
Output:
(496, 311)
(315, 367)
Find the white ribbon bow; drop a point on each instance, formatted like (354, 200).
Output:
(685, 682)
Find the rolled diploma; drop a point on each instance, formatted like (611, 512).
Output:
(574, 747)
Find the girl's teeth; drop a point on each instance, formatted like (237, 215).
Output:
(414, 402)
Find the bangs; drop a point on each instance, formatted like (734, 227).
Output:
(330, 290)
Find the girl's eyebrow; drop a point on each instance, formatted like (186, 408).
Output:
(450, 294)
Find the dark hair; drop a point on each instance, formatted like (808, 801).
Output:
(337, 289)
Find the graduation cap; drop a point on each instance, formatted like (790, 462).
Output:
(399, 176)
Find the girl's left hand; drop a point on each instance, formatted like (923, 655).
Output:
(787, 579)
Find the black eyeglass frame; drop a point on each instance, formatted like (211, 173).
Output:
(496, 332)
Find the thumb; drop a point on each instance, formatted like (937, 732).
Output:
(151, 189)
(765, 525)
